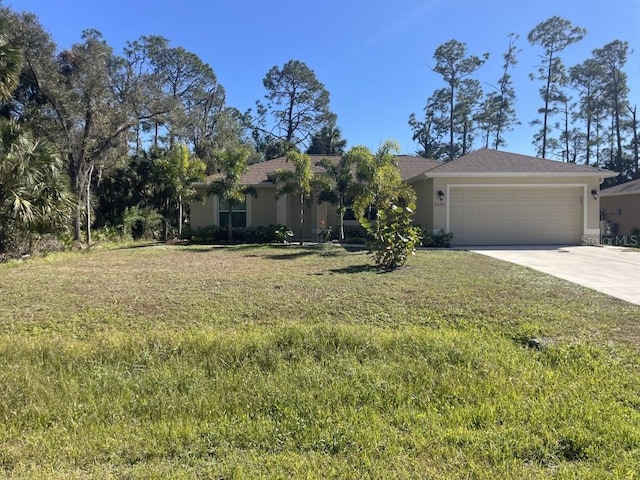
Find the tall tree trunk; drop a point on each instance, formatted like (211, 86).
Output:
(546, 108)
(88, 205)
(229, 223)
(451, 105)
(83, 190)
(588, 139)
(566, 130)
(180, 215)
(301, 217)
(341, 210)
(636, 153)
(77, 228)
(167, 211)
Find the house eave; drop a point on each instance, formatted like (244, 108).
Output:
(617, 194)
(598, 174)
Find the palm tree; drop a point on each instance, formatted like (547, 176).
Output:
(328, 141)
(35, 196)
(298, 181)
(10, 67)
(175, 172)
(232, 165)
(378, 182)
(340, 191)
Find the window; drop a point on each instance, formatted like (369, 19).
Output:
(238, 215)
(370, 214)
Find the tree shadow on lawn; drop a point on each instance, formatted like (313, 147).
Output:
(320, 250)
(202, 247)
(355, 269)
(291, 255)
(136, 246)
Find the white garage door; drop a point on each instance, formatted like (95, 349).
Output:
(515, 215)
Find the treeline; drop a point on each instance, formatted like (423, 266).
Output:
(115, 141)
(97, 140)
(585, 115)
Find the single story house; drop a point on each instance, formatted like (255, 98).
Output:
(620, 208)
(487, 197)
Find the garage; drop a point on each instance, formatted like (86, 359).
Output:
(516, 215)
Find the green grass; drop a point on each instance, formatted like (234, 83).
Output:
(288, 362)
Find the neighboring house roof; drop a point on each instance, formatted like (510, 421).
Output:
(487, 162)
(627, 188)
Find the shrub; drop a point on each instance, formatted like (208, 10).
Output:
(442, 239)
(219, 235)
(141, 223)
(356, 234)
(108, 233)
(282, 233)
(394, 236)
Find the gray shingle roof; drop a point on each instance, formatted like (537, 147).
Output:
(483, 162)
(627, 188)
(409, 166)
(489, 161)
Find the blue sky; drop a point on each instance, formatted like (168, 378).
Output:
(373, 56)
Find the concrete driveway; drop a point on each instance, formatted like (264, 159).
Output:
(611, 270)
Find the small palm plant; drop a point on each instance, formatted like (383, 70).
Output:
(232, 164)
(299, 181)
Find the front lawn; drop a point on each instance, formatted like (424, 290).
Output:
(289, 362)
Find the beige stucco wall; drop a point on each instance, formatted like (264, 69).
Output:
(202, 213)
(592, 218)
(263, 208)
(425, 203)
(623, 210)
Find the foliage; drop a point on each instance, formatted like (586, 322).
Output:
(613, 57)
(81, 114)
(10, 67)
(141, 223)
(299, 181)
(497, 113)
(131, 185)
(175, 173)
(430, 133)
(297, 102)
(232, 164)
(35, 198)
(328, 141)
(442, 239)
(461, 94)
(283, 233)
(356, 234)
(184, 91)
(108, 234)
(394, 236)
(553, 35)
(326, 232)
(379, 183)
(256, 235)
(342, 187)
